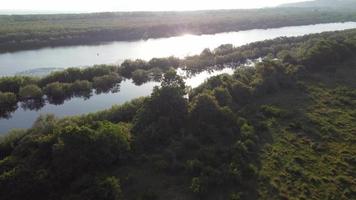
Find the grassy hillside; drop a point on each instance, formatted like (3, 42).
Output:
(20, 32)
(311, 153)
(283, 129)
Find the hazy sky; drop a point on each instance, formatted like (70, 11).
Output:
(132, 5)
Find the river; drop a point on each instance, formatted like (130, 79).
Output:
(116, 52)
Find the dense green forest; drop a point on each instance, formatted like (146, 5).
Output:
(19, 32)
(283, 129)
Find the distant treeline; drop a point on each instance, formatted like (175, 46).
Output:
(19, 32)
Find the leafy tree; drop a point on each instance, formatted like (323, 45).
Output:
(163, 115)
(241, 93)
(207, 119)
(100, 147)
(172, 80)
(204, 109)
(223, 96)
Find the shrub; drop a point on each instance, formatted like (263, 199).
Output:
(118, 113)
(30, 92)
(98, 70)
(140, 76)
(272, 111)
(156, 74)
(129, 66)
(107, 82)
(224, 49)
(81, 88)
(13, 84)
(9, 141)
(164, 63)
(7, 100)
(55, 90)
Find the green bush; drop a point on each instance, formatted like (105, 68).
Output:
(7, 100)
(81, 88)
(156, 74)
(13, 84)
(106, 82)
(272, 111)
(71, 75)
(223, 96)
(128, 67)
(56, 90)
(30, 92)
(164, 63)
(140, 76)
(9, 141)
(99, 148)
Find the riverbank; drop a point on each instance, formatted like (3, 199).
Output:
(21, 32)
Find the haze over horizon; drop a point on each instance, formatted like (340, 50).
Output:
(69, 6)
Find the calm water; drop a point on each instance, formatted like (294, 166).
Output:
(76, 106)
(116, 52)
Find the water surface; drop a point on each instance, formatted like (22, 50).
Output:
(22, 118)
(116, 52)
